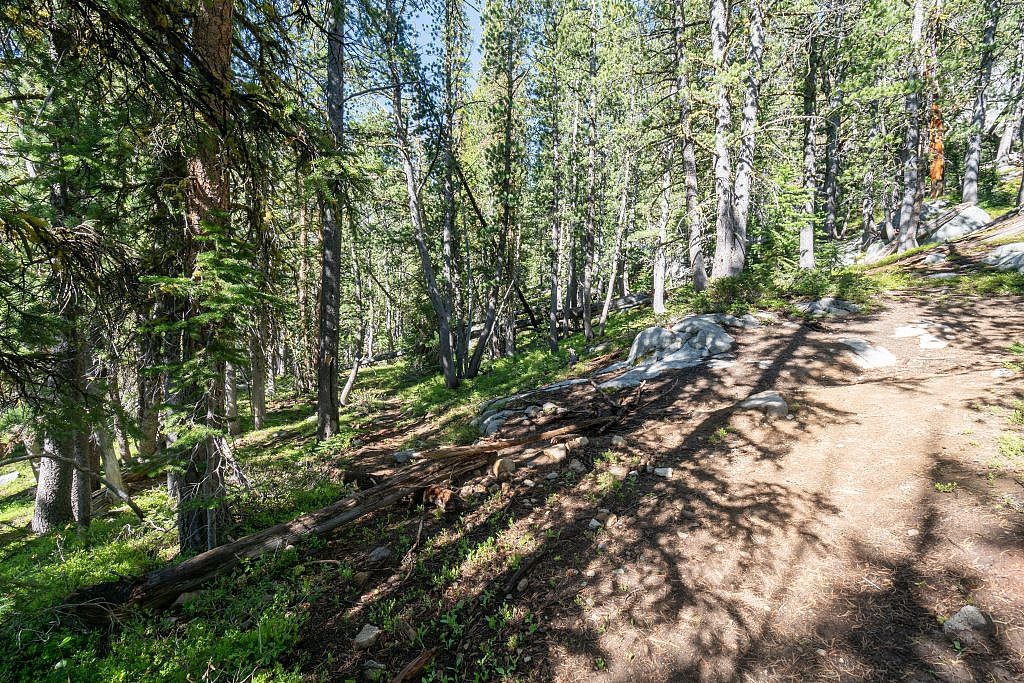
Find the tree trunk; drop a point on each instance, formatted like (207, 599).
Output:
(810, 94)
(972, 163)
(698, 271)
(620, 235)
(911, 174)
(199, 487)
(832, 156)
(748, 136)
(231, 399)
(590, 232)
(660, 256)
(53, 491)
(258, 373)
(728, 254)
(330, 294)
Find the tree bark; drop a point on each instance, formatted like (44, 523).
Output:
(698, 271)
(231, 399)
(330, 279)
(660, 256)
(911, 174)
(748, 136)
(258, 373)
(972, 162)
(728, 254)
(810, 94)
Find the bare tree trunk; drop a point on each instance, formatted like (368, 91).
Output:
(330, 293)
(590, 233)
(832, 156)
(555, 218)
(620, 235)
(395, 65)
(810, 94)
(258, 373)
(231, 399)
(698, 271)
(911, 173)
(748, 136)
(972, 163)
(660, 256)
(726, 249)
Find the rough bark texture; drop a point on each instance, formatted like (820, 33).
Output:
(330, 296)
(972, 162)
(911, 172)
(810, 94)
(726, 249)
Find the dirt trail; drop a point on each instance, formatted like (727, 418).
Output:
(815, 547)
(819, 547)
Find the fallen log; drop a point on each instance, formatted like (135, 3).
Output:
(104, 603)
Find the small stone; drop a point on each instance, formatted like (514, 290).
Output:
(820, 652)
(912, 532)
(648, 468)
(529, 483)
(6, 479)
(402, 457)
(689, 514)
(618, 471)
(553, 455)
(663, 472)
(618, 441)
(682, 534)
(359, 579)
(602, 546)
(633, 473)
(551, 476)
(594, 524)
(367, 637)
(577, 443)
(380, 553)
(590, 573)
(493, 488)
(577, 466)
(550, 408)
(770, 403)
(521, 586)
(969, 626)
(719, 548)
(1002, 373)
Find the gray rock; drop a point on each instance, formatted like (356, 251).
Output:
(876, 251)
(402, 457)
(551, 476)
(6, 479)
(1002, 373)
(594, 524)
(967, 220)
(600, 348)
(827, 306)
(495, 421)
(867, 355)
(934, 258)
(969, 626)
(367, 637)
(930, 335)
(533, 411)
(577, 466)
(941, 276)
(663, 472)
(653, 340)
(379, 554)
(552, 455)
(550, 408)
(1007, 257)
(619, 441)
(614, 367)
(770, 403)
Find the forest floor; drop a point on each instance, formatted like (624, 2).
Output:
(827, 545)
(830, 545)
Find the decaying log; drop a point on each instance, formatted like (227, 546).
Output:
(158, 589)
